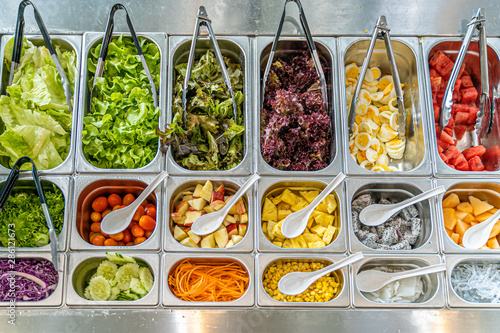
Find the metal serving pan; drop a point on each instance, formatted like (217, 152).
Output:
(452, 261)
(263, 261)
(55, 300)
(177, 185)
(238, 50)
(91, 39)
(327, 51)
(401, 189)
(433, 288)
(268, 184)
(417, 157)
(66, 42)
(170, 262)
(82, 265)
(476, 187)
(89, 187)
(450, 47)
(65, 184)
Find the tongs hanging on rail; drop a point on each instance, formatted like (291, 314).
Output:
(108, 33)
(310, 45)
(18, 48)
(381, 30)
(485, 105)
(9, 185)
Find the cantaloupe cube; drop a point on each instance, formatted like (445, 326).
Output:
(479, 206)
(449, 217)
(448, 231)
(465, 207)
(483, 217)
(485, 247)
(461, 227)
(469, 218)
(493, 243)
(455, 237)
(493, 210)
(461, 215)
(473, 223)
(496, 230)
(451, 201)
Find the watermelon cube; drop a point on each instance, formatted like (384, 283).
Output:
(440, 149)
(475, 164)
(451, 152)
(462, 166)
(459, 131)
(441, 63)
(447, 138)
(444, 158)
(442, 144)
(469, 95)
(433, 73)
(474, 151)
(436, 84)
(436, 112)
(448, 130)
(467, 82)
(458, 159)
(461, 118)
(491, 158)
(472, 115)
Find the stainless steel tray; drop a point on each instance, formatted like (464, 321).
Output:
(397, 188)
(267, 184)
(417, 160)
(170, 261)
(89, 40)
(91, 186)
(176, 185)
(433, 297)
(65, 184)
(66, 42)
(327, 50)
(83, 264)
(237, 49)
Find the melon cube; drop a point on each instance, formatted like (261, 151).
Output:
(483, 217)
(449, 217)
(469, 218)
(465, 207)
(493, 243)
(493, 210)
(461, 227)
(455, 237)
(448, 231)
(496, 230)
(461, 215)
(451, 201)
(479, 206)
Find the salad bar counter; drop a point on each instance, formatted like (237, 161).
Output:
(272, 157)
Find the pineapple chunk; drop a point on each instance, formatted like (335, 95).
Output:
(451, 201)
(318, 230)
(465, 207)
(270, 226)
(287, 244)
(461, 227)
(283, 206)
(311, 238)
(328, 221)
(277, 200)
(322, 208)
(269, 211)
(299, 204)
(317, 245)
(278, 244)
(288, 197)
(264, 228)
(483, 217)
(283, 213)
(330, 203)
(310, 222)
(328, 235)
(479, 206)
(309, 195)
(455, 237)
(276, 232)
(299, 242)
(450, 219)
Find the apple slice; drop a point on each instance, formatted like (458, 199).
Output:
(236, 239)
(197, 203)
(242, 229)
(221, 237)
(197, 191)
(196, 239)
(240, 207)
(208, 241)
(244, 218)
(206, 191)
(229, 244)
(218, 194)
(209, 209)
(227, 198)
(217, 205)
(177, 217)
(229, 218)
(188, 242)
(191, 217)
(232, 230)
(182, 207)
(179, 234)
(226, 223)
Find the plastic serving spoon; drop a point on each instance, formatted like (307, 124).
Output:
(118, 220)
(295, 223)
(377, 214)
(476, 236)
(297, 282)
(209, 223)
(372, 280)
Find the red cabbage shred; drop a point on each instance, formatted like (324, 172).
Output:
(26, 289)
(295, 127)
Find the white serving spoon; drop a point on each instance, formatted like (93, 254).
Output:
(209, 223)
(372, 280)
(377, 214)
(478, 235)
(295, 223)
(297, 282)
(118, 220)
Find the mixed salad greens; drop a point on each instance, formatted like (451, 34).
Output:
(119, 130)
(35, 118)
(211, 139)
(23, 208)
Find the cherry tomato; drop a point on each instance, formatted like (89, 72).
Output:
(92, 236)
(114, 199)
(127, 236)
(147, 233)
(110, 242)
(132, 224)
(95, 227)
(121, 244)
(137, 231)
(139, 240)
(118, 207)
(147, 223)
(98, 240)
(129, 244)
(105, 235)
(128, 199)
(151, 212)
(117, 237)
(145, 203)
(150, 205)
(100, 204)
(138, 213)
(96, 217)
(106, 212)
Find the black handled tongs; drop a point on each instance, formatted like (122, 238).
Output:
(104, 51)
(310, 45)
(18, 47)
(203, 20)
(381, 30)
(485, 107)
(9, 186)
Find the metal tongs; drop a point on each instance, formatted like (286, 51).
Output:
(9, 186)
(203, 20)
(485, 107)
(381, 30)
(104, 51)
(310, 45)
(18, 47)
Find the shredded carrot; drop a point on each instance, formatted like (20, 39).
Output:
(208, 282)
